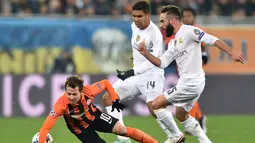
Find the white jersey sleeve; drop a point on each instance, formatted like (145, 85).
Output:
(199, 35)
(168, 56)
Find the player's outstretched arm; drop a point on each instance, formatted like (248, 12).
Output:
(200, 36)
(100, 86)
(116, 104)
(53, 116)
(110, 89)
(236, 55)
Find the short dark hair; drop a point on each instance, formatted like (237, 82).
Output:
(193, 11)
(172, 9)
(142, 5)
(74, 81)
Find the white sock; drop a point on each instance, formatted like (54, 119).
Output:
(117, 115)
(164, 128)
(166, 118)
(192, 126)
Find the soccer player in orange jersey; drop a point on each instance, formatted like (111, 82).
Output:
(189, 18)
(83, 118)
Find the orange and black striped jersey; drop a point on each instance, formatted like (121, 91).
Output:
(77, 117)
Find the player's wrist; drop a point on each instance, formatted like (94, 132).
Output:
(230, 52)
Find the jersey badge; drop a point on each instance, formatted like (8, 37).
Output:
(137, 38)
(180, 41)
(52, 113)
(197, 32)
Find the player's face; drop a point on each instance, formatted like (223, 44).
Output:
(73, 95)
(141, 19)
(163, 21)
(166, 24)
(188, 18)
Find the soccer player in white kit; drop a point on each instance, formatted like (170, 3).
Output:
(185, 48)
(144, 78)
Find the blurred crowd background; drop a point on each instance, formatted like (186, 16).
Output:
(120, 7)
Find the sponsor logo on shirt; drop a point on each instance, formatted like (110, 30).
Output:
(180, 54)
(77, 116)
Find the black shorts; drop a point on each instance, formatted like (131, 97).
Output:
(103, 122)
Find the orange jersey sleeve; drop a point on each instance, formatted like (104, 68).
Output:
(98, 87)
(55, 113)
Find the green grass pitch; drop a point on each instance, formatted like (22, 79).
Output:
(221, 129)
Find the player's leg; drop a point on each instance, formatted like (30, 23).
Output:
(161, 125)
(89, 136)
(133, 133)
(184, 99)
(193, 111)
(191, 125)
(151, 85)
(126, 90)
(166, 118)
(201, 118)
(108, 124)
(197, 114)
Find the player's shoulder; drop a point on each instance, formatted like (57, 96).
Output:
(154, 30)
(63, 100)
(188, 27)
(199, 27)
(133, 26)
(88, 89)
(191, 28)
(153, 27)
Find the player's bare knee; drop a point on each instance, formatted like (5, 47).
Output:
(107, 100)
(155, 105)
(149, 105)
(119, 129)
(181, 114)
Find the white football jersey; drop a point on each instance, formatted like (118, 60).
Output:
(185, 48)
(154, 43)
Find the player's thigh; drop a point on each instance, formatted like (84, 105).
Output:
(127, 89)
(104, 122)
(151, 86)
(181, 97)
(89, 135)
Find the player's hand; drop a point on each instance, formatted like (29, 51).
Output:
(116, 104)
(204, 57)
(125, 74)
(142, 48)
(237, 56)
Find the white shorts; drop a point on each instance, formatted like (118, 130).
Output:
(184, 96)
(149, 84)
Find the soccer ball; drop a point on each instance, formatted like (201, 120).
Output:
(35, 138)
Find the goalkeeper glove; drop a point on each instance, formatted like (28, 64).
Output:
(116, 104)
(125, 74)
(204, 57)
